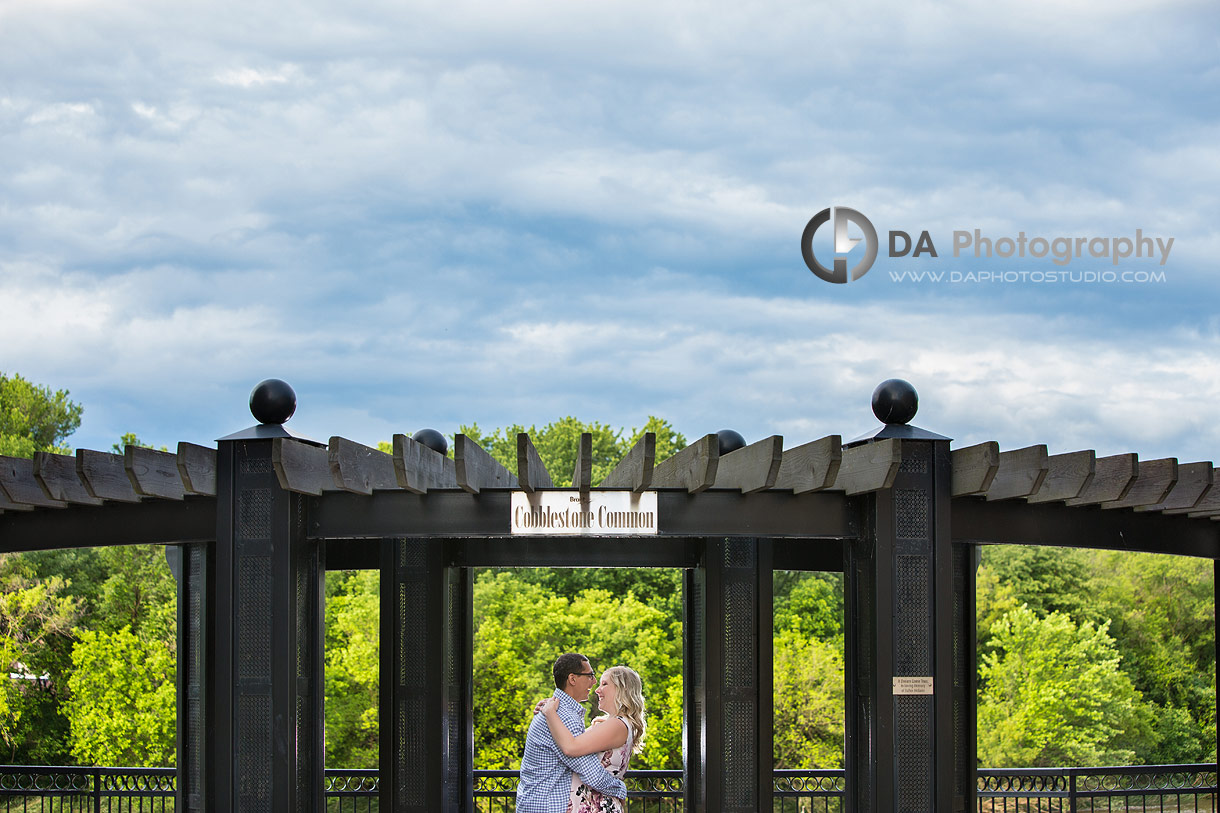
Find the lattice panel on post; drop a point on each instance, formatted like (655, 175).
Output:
(912, 616)
(913, 721)
(912, 511)
(194, 674)
(254, 752)
(411, 781)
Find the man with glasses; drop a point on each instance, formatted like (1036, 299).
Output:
(546, 774)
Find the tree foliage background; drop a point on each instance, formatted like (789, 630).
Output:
(1084, 656)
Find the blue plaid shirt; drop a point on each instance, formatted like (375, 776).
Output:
(546, 774)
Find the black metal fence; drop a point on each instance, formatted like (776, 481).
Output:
(1146, 788)
(59, 789)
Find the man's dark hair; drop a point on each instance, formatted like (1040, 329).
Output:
(569, 663)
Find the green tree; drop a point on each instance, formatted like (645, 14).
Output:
(35, 615)
(130, 439)
(558, 442)
(1051, 693)
(122, 706)
(520, 628)
(34, 419)
(809, 701)
(808, 603)
(352, 671)
(1045, 579)
(1163, 611)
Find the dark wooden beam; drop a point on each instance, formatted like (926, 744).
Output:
(419, 467)
(105, 476)
(635, 470)
(1155, 480)
(1020, 474)
(476, 469)
(1112, 479)
(153, 473)
(692, 468)
(573, 551)
(18, 484)
(160, 522)
(974, 467)
(1194, 481)
(869, 467)
(582, 472)
(1067, 476)
(1016, 523)
(57, 475)
(531, 473)
(811, 466)
(301, 467)
(751, 468)
(360, 469)
(197, 465)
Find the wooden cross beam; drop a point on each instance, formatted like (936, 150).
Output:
(153, 473)
(419, 467)
(692, 468)
(197, 466)
(476, 469)
(1153, 482)
(751, 468)
(1112, 479)
(531, 473)
(360, 469)
(19, 486)
(868, 467)
(974, 468)
(635, 470)
(1195, 481)
(301, 467)
(57, 475)
(1067, 476)
(105, 476)
(1020, 474)
(582, 472)
(811, 466)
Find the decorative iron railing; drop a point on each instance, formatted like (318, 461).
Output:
(1147, 788)
(54, 788)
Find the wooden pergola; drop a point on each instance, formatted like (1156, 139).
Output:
(257, 521)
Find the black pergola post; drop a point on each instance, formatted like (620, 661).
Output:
(728, 678)
(193, 565)
(426, 733)
(910, 658)
(265, 719)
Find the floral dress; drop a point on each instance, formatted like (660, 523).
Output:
(585, 799)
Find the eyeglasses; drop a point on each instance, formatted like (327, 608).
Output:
(585, 674)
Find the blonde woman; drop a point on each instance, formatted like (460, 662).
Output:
(617, 734)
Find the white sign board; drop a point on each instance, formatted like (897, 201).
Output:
(592, 513)
(912, 685)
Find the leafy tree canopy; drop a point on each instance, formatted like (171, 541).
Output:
(33, 418)
(1052, 694)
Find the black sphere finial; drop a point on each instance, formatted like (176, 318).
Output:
(432, 439)
(273, 401)
(895, 401)
(729, 441)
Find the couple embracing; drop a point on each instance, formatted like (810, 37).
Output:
(566, 769)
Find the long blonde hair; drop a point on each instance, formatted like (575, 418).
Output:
(629, 700)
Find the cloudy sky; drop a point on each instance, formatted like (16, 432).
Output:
(436, 214)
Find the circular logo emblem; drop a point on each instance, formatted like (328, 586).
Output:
(843, 244)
